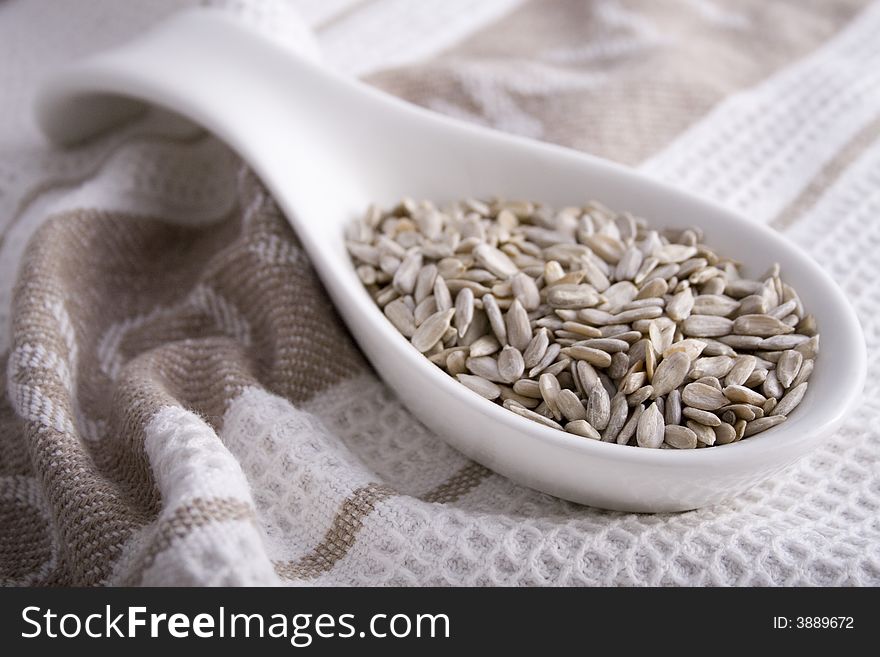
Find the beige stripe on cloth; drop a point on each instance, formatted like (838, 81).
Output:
(866, 138)
(349, 521)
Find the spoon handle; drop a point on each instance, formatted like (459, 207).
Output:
(290, 119)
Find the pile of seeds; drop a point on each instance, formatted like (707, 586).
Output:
(589, 320)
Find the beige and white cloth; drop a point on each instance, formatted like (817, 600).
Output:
(181, 405)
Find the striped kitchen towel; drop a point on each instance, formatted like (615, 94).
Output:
(182, 405)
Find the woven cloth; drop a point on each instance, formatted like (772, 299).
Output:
(182, 405)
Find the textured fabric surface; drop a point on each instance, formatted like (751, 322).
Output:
(181, 404)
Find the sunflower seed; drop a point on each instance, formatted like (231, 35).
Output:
(724, 434)
(525, 289)
(783, 310)
(557, 368)
(629, 428)
(790, 400)
(550, 388)
(484, 346)
(710, 381)
(570, 406)
(442, 296)
(692, 265)
(545, 362)
(478, 327)
(406, 272)
(440, 356)
(651, 429)
(714, 304)
(486, 367)
(464, 311)
(783, 342)
(810, 348)
(386, 296)
(596, 317)
(703, 417)
(756, 378)
(495, 261)
(456, 362)
(762, 424)
(807, 326)
(527, 388)
(771, 386)
(623, 334)
(804, 373)
(704, 434)
(741, 370)
(581, 329)
(425, 282)
(743, 395)
(742, 341)
(510, 364)
(672, 408)
(432, 330)
(692, 348)
(367, 274)
(519, 330)
(742, 288)
(455, 285)
(787, 367)
(496, 318)
(610, 345)
(480, 386)
(636, 314)
(702, 396)
(628, 265)
(680, 437)
(674, 253)
(656, 287)
(619, 365)
(426, 308)
(587, 376)
(760, 325)
(741, 411)
(519, 409)
(661, 336)
(583, 428)
(632, 382)
(606, 247)
(595, 357)
(572, 296)
(617, 418)
(399, 314)
(598, 407)
(706, 326)
(715, 366)
(537, 348)
(666, 272)
(640, 395)
(647, 267)
(643, 303)
(680, 306)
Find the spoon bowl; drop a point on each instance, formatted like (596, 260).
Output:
(326, 147)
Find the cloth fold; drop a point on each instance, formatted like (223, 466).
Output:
(181, 403)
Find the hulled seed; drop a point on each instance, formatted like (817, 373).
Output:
(589, 319)
(680, 437)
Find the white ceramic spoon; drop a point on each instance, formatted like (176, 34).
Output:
(327, 146)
